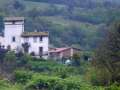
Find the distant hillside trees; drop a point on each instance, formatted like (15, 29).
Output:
(83, 3)
(69, 22)
(13, 6)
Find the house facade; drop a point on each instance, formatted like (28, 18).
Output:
(15, 37)
(63, 53)
(37, 41)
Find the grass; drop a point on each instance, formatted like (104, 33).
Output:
(5, 85)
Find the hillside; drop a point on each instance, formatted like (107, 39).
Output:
(87, 24)
(69, 23)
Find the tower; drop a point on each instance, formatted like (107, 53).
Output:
(13, 28)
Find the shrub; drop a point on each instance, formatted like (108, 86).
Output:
(6, 85)
(115, 86)
(98, 77)
(22, 76)
(76, 60)
(52, 83)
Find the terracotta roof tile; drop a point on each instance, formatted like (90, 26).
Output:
(57, 50)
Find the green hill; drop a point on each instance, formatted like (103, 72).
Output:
(70, 23)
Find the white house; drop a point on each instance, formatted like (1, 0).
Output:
(15, 36)
(38, 42)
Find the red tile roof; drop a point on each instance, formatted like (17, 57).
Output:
(57, 50)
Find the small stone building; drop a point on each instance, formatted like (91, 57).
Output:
(65, 52)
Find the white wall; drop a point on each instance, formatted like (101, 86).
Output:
(2, 40)
(13, 30)
(34, 46)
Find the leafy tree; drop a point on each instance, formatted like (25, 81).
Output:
(76, 59)
(2, 56)
(2, 52)
(8, 65)
(10, 61)
(22, 76)
(21, 59)
(33, 13)
(17, 4)
(26, 47)
(1, 23)
(107, 57)
(14, 6)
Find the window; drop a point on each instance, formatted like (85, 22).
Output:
(26, 39)
(35, 39)
(41, 38)
(40, 52)
(13, 39)
(13, 22)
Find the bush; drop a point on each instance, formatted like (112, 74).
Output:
(22, 76)
(40, 82)
(41, 65)
(6, 85)
(115, 86)
(99, 77)
(52, 83)
(76, 60)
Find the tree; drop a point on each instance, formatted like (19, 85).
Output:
(76, 59)
(10, 61)
(14, 6)
(1, 23)
(2, 53)
(26, 47)
(2, 56)
(107, 57)
(17, 4)
(8, 65)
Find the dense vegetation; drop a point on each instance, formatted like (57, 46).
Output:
(22, 72)
(80, 23)
(26, 72)
(84, 3)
